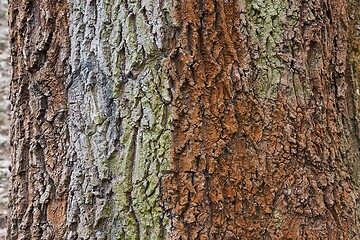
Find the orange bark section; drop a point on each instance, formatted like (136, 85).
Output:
(244, 167)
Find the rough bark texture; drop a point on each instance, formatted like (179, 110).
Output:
(91, 127)
(266, 141)
(39, 133)
(119, 119)
(353, 73)
(159, 119)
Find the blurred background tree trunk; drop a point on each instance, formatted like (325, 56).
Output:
(184, 119)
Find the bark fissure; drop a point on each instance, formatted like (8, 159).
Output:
(131, 170)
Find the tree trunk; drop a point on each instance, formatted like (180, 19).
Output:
(185, 119)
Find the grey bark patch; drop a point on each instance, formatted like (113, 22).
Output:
(119, 108)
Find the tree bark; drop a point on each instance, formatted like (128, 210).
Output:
(39, 134)
(185, 119)
(266, 143)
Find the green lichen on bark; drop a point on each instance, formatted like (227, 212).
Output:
(266, 19)
(145, 123)
(126, 116)
(144, 109)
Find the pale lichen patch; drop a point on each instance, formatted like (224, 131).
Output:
(266, 19)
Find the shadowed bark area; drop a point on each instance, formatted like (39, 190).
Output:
(353, 75)
(265, 136)
(39, 135)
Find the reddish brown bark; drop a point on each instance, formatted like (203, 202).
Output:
(40, 46)
(248, 166)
